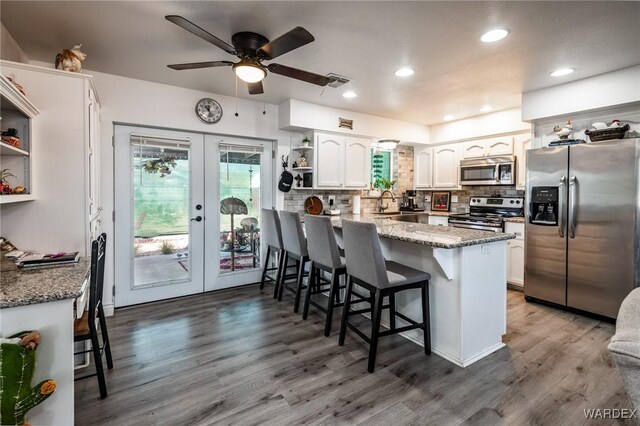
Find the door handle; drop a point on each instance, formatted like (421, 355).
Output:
(197, 218)
(573, 185)
(561, 212)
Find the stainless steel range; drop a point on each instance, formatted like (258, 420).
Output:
(486, 213)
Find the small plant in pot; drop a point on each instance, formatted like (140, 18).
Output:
(384, 184)
(306, 141)
(5, 174)
(10, 136)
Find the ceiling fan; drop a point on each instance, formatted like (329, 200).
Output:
(253, 48)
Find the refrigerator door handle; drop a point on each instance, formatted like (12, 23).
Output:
(561, 207)
(573, 184)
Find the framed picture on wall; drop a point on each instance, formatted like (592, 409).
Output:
(441, 201)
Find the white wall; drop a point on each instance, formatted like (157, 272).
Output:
(601, 91)
(304, 115)
(9, 49)
(495, 123)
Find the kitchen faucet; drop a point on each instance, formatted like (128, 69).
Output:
(382, 208)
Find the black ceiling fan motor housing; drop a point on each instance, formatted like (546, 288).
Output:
(246, 43)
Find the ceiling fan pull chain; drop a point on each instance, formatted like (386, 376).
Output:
(236, 96)
(264, 104)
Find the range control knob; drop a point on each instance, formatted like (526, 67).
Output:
(512, 201)
(518, 202)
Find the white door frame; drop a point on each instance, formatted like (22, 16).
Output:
(214, 280)
(124, 221)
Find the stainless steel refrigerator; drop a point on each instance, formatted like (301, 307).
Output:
(581, 232)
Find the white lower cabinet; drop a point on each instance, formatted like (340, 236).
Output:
(515, 254)
(439, 220)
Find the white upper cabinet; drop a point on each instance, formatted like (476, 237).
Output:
(357, 163)
(445, 166)
(522, 145)
(423, 167)
(329, 161)
(488, 147)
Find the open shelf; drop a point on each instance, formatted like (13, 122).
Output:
(16, 198)
(302, 169)
(6, 149)
(302, 148)
(302, 187)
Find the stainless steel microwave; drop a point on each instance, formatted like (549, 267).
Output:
(499, 170)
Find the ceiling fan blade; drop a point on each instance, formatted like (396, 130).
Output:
(255, 88)
(287, 42)
(197, 31)
(194, 65)
(306, 76)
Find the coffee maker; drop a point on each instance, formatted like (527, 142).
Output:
(409, 202)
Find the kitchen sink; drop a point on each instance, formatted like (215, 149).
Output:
(412, 218)
(386, 213)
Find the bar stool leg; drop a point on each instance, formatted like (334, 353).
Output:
(283, 275)
(296, 302)
(310, 286)
(335, 279)
(97, 359)
(392, 311)
(345, 310)
(426, 320)
(279, 273)
(106, 344)
(375, 329)
(264, 269)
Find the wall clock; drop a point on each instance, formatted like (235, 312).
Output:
(208, 110)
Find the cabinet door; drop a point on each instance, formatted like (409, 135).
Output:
(445, 166)
(329, 161)
(423, 167)
(357, 163)
(515, 262)
(474, 149)
(503, 146)
(522, 145)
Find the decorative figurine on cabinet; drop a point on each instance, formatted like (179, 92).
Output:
(71, 59)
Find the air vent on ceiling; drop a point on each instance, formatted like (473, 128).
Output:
(337, 80)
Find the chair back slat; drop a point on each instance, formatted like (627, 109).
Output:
(293, 239)
(321, 242)
(363, 253)
(270, 228)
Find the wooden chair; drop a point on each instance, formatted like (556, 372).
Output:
(367, 267)
(93, 321)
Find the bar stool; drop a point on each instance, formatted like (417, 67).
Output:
(85, 328)
(367, 267)
(295, 247)
(272, 235)
(324, 254)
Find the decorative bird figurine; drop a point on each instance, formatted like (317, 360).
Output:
(563, 132)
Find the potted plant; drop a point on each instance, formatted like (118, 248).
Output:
(384, 184)
(306, 141)
(10, 136)
(4, 184)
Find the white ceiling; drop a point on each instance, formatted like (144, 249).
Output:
(365, 41)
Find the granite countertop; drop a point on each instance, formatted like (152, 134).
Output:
(429, 235)
(27, 287)
(517, 219)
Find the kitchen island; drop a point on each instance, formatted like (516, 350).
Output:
(467, 288)
(43, 300)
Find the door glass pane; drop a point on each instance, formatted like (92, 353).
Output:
(160, 215)
(239, 210)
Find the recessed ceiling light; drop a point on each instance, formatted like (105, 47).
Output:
(349, 94)
(562, 71)
(494, 35)
(486, 108)
(404, 72)
(448, 117)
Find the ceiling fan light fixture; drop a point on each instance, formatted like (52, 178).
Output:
(249, 71)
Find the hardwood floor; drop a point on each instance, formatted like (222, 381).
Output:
(240, 357)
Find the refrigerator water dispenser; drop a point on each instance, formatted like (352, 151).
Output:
(543, 207)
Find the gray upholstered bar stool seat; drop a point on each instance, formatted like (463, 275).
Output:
(295, 247)
(367, 267)
(324, 254)
(272, 235)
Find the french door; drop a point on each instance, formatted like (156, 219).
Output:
(187, 212)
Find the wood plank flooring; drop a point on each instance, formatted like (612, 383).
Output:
(239, 357)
